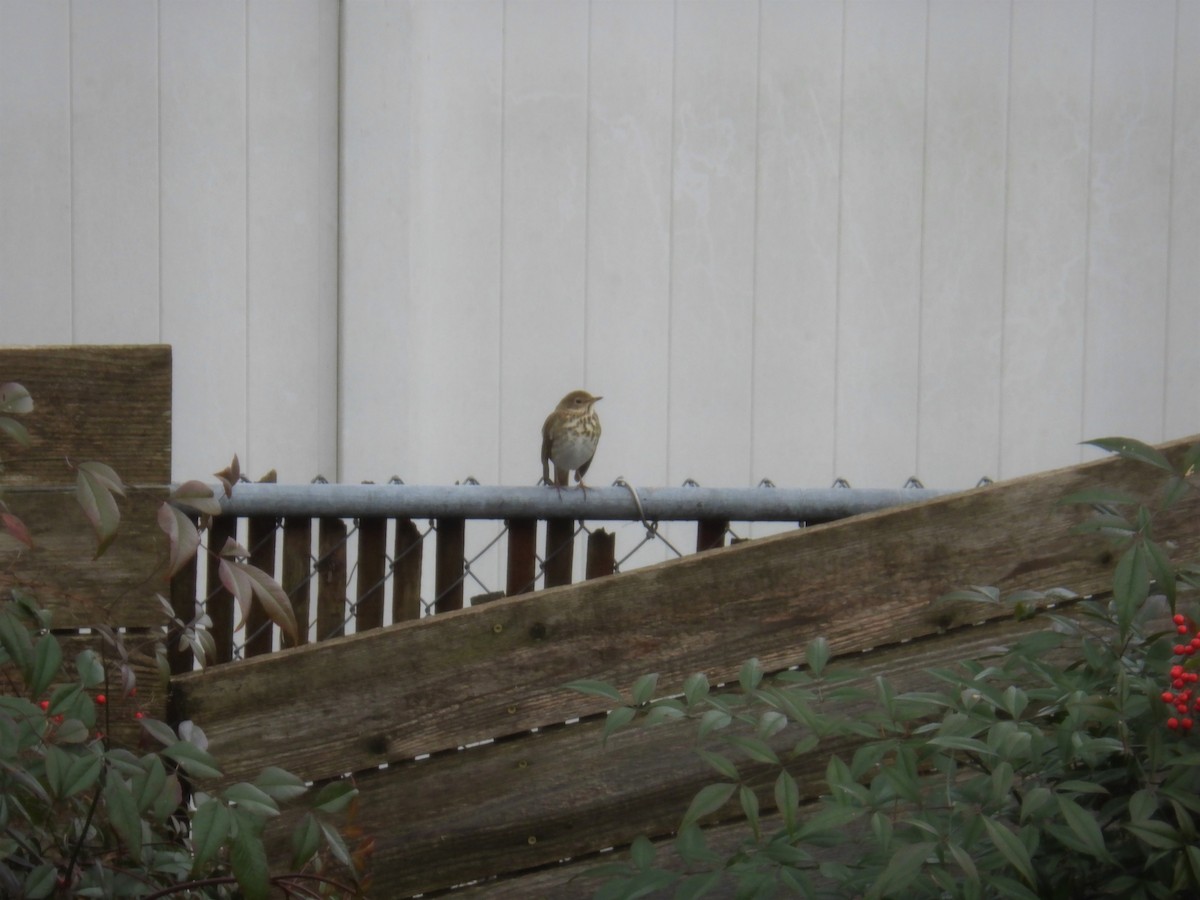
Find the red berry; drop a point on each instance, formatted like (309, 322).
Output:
(45, 705)
(1172, 723)
(139, 715)
(101, 699)
(1178, 619)
(1182, 707)
(1177, 649)
(1168, 697)
(1177, 683)
(1186, 724)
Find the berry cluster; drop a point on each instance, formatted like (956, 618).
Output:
(1183, 695)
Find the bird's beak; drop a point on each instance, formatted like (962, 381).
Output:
(594, 399)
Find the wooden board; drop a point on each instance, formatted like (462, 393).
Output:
(497, 670)
(105, 403)
(60, 572)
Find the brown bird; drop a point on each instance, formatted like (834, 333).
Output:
(569, 438)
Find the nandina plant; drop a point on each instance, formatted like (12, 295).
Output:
(80, 817)
(1066, 765)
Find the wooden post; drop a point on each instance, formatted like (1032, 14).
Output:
(219, 605)
(297, 567)
(331, 575)
(560, 551)
(448, 574)
(522, 556)
(406, 571)
(710, 533)
(261, 538)
(601, 554)
(372, 572)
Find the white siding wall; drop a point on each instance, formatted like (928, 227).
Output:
(789, 238)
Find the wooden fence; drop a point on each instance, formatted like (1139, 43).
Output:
(477, 769)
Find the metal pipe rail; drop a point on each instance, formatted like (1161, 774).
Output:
(624, 503)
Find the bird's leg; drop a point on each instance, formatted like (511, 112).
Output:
(583, 487)
(560, 478)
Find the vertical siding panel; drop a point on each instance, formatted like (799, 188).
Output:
(114, 105)
(1128, 227)
(712, 273)
(799, 139)
(35, 172)
(542, 350)
(203, 78)
(376, 216)
(1183, 332)
(628, 233)
(1046, 242)
(289, 303)
(880, 249)
(455, 261)
(963, 245)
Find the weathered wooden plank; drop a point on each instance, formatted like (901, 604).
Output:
(448, 571)
(331, 578)
(864, 582)
(219, 602)
(372, 573)
(522, 556)
(61, 573)
(601, 554)
(406, 571)
(560, 552)
(261, 540)
(297, 571)
(535, 799)
(105, 403)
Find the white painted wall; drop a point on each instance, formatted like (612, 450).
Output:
(792, 239)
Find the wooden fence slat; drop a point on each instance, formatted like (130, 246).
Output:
(863, 582)
(297, 571)
(560, 552)
(448, 574)
(406, 571)
(219, 604)
(536, 799)
(372, 573)
(601, 554)
(108, 403)
(710, 534)
(522, 556)
(331, 578)
(261, 541)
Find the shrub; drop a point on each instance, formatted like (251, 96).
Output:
(80, 817)
(1064, 766)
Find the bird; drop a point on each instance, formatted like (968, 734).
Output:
(569, 438)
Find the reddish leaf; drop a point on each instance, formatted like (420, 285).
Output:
(16, 528)
(229, 475)
(14, 430)
(198, 496)
(104, 475)
(181, 532)
(94, 491)
(245, 582)
(233, 549)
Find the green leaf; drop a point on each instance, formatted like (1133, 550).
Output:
(82, 774)
(749, 803)
(196, 762)
(336, 845)
(787, 798)
(211, 825)
(248, 858)
(15, 399)
(757, 750)
(1130, 448)
(335, 796)
(695, 886)
(770, 723)
(89, 668)
(751, 675)
(40, 882)
(902, 869)
(95, 484)
(1131, 584)
(707, 801)
(643, 689)
(1161, 569)
(47, 658)
(723, 764)
(1084, 825)
(57, 763)
(617, 719)
(160, 731)
(1010, 848)
(712, 720)
(123, 814)
(252, 800)
(663, 711)
(695, 688)
(14, 637)
(1099, 497)
(641, 852)
(306, 839)
(280, 784)
(816, 655)
(692, 849)
(1156, 834)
